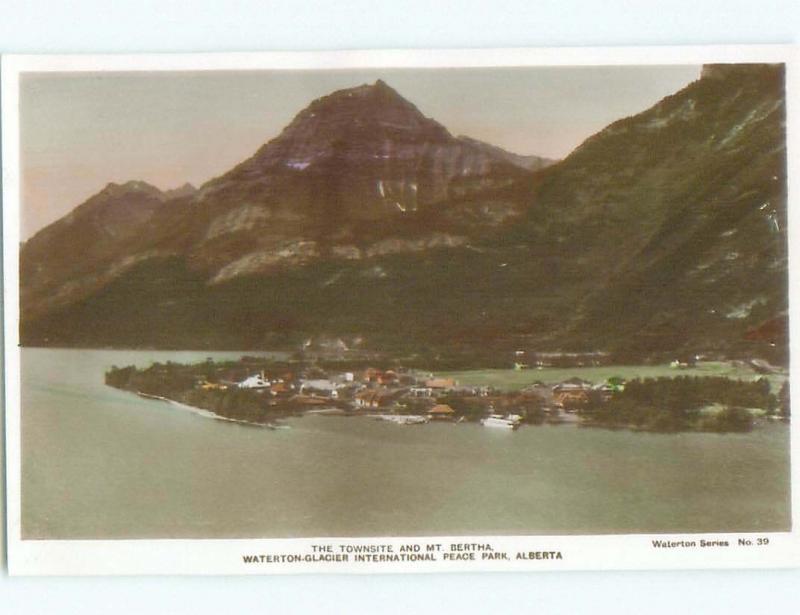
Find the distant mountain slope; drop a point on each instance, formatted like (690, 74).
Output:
(681, 211)
(531, 163)
(665, 232)
(58, 263)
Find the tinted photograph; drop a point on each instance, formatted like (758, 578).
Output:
(511, 301)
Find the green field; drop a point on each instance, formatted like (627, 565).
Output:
(511, 379)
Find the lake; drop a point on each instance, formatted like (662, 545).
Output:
(103, 463)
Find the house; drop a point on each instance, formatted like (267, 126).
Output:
(279, 388)
(376, 398)
(441, 384)
(257, 381)
(572, 393)
(320, 386)
(441, 412)
(389, 377)
(570, 398)
(368, 398)
(577, 383)
(211, 386)
(604, 390)
(372, 374)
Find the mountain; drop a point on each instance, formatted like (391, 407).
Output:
(355, 169)
(362, 154)
(351, 169)
(357, 173)
(364, 219)
(58, 261)
(682, 212)
(531, 163)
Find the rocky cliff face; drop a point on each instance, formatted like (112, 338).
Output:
(367, 153)
(353, 168)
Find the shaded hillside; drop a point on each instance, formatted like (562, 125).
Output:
(59, 263)
(682, 212)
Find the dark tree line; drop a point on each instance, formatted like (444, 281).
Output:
(676, 404)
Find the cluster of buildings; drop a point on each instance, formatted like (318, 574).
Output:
(370, 388)
(409, 391)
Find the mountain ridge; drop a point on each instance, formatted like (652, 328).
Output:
(578, 255)
(271, 209)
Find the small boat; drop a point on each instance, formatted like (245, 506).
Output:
(510, 421)
(413, 419)
(402, 419)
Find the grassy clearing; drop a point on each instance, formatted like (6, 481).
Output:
(512, 380)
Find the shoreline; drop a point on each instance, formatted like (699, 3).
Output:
(288, 355)
(328, 412)
(208, 414)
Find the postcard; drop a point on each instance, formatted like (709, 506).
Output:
(400, 311)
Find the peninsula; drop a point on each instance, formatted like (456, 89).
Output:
(264, 391)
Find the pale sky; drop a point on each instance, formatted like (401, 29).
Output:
(80, 131)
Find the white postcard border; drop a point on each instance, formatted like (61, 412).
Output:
(202, 556)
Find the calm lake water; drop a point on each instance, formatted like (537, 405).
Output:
(102, 463)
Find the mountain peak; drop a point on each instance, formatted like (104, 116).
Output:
(380, 87)
(363, 120)
(135, 185)
(364, 153)
(366, 111)
(376, 104)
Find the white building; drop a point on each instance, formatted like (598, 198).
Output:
(257, 381)
(324, 386)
